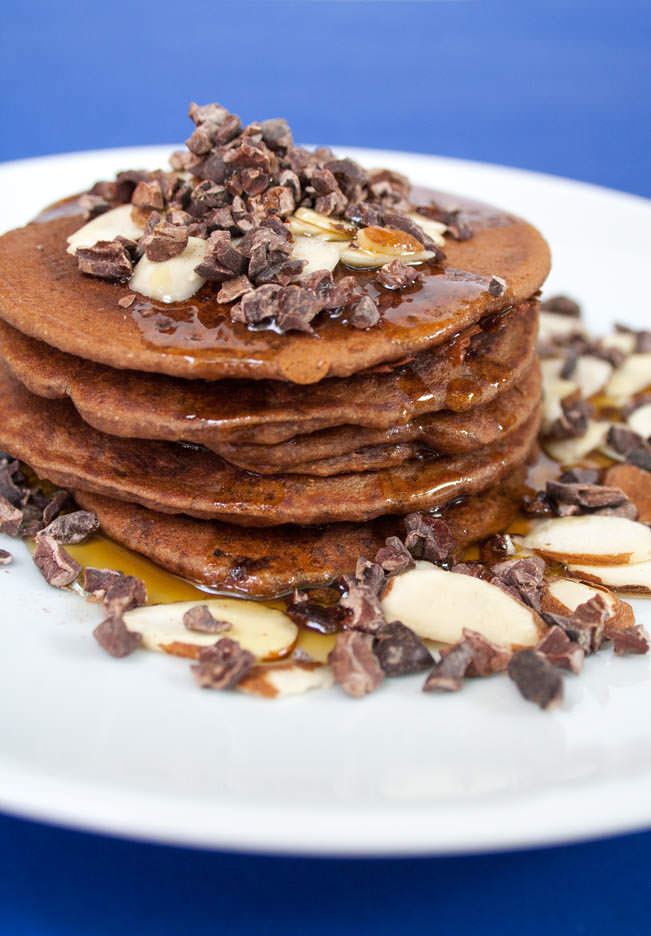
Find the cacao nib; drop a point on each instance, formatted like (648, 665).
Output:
(573, 421)
(525, 575)
(223, 665)
(11, 518)
(487, 658)
(123, 594)
(535, 677)
(394, 557)
(623, 440)
(560, 651)
(398, 275)
(73, 528)
(363, 606)
(561, 305)
(55, 564)
(201, 620)
(428, 537)
(5, 557)
(232, 289)
(447, 675)
(106, 259)
(165, 241)
(585, 625)
(113, 636)
(370, 574)
(628, 640)
(400, 651)
(325, 619)
(497, 286)
(354, 665)
(97, 581)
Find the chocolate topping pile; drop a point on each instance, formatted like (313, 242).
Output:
(235, 187)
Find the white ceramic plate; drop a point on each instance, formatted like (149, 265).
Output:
(132, 748)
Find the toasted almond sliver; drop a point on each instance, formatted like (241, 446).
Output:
(437, 605)
(107, 226)
(554, 392)
(591, 539)
(634, 577)
(306, 221)
(171, 280)
(266, 632)
(321, 254)
(633, 375)
(591, 374)
(286, 679)
(571, 593)
(367, 260)
(570, 451)
(640, 420)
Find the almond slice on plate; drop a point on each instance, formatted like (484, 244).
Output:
(622, 341)
(591, 374)
(437, 605)
(553, 392)
(634, 577)
(570, 451)
(267, 633)
(591, 539)
(563, 596)
(171, 280)
(114, 223)
(633, 375)
(319, 252)
(313, 223)
(553, 325)
(640, 420)
(286, 679)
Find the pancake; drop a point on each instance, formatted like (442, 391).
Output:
(361, 449)
(470, 371)
(51, 438)
(271, 562)
(43, 295)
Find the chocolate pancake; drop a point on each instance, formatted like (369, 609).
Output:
(43, 294)
(469, 371)
(50, 436)
(354, 448)
(271, 562)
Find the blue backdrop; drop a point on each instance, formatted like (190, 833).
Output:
(562, 87)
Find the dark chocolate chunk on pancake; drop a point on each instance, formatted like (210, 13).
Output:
(469, 371)
(50, 437)
(43, 294)
(268, 562)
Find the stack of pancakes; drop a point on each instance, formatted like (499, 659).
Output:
(254, 461)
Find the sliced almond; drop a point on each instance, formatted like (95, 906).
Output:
(570, 451)
(268, 633)
(591, 374)
(591, 539)
(433, 229)
(320, 253)
(640, 420)
(437, 605)
(552, 325)
(568, 594)
(286, 679)
(553, 392)
(171, 280)
(387, 241)
(634, 578)
(367, 260)
(633, 375)
(114, 223)
(622, 341)
(312, 223)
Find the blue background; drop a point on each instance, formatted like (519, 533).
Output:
(562, 87)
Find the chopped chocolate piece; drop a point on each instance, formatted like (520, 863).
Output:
(496, 547)
(394, 557)
(5, 557)
(148, 195)
(364, 313)
(640, 457)
(561, 305)
(623, 440)
(428, 537)
(557, 647)
(127, 301)
(363, 605)
(106, 259)
(585, 495)
(325, 619)
(628, 640)
(56, 565)
(93, 205)
(276, 133)
(585, 624)
(125, 593)
(201, 620)
(98, 581)
(165, 241)
(497, 286)
(258, 305)
(223, 665)
(370, 574)
(400, 651)
(525, 575)
(574, 419)
(354, 665)
(447, 675)
(537, 680)
(488, 658)
(113, 636)
(73, 528)
(11, 518)
(232, 289)
(222, 260)
(580, 476)
(397, 275)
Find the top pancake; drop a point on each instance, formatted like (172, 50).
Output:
(43, 294)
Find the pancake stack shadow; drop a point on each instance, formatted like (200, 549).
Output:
(262, 485)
